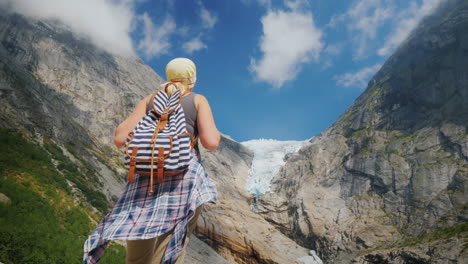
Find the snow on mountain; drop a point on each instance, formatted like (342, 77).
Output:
(268, 159)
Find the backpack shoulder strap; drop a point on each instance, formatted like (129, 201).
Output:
(150, 103)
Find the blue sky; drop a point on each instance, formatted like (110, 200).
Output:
(270, 69)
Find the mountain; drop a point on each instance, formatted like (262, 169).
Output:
(61, 100)
(387, 182)
(56, 85)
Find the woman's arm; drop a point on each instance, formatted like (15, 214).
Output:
(127, 126)
(207, 131)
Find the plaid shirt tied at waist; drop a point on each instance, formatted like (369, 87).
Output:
(138, 215)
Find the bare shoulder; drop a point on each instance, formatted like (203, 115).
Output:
(200, 100)
(207, 131)
(147, 98)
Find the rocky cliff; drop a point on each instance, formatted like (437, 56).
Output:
(230, 226)
(66, 97)
(57, 85)
(388, 182)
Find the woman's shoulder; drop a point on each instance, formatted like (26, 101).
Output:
(200, 97)
(200, 100)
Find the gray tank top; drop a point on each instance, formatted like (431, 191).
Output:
(190, 111)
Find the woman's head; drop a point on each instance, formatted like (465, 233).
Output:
(183, 73)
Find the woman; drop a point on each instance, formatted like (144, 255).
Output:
(156, 227)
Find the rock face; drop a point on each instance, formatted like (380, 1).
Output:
(91, 87)
(231, 227)
(56, 85)
(395, 165)
(4, 199)
(438, 252)
(200, 253)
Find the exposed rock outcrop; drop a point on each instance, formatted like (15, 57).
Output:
(199, 252)
(69, 77)
(4, 199)
(55, 85)
(437, 252)
(231, 227)
(394, 165)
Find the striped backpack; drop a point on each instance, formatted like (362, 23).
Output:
(160, 144)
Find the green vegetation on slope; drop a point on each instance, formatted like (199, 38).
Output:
(81, 177)
(43, 223)
(439, 234)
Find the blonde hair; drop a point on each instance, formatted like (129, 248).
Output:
(170, 87)
(181, 73)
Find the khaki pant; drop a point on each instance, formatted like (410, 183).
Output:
(151, 251)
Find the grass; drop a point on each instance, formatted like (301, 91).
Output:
(32, 231)
(44, 223)
(82, 177)
(115, 253)
(18, 155)
(358, 132)
(439, 234)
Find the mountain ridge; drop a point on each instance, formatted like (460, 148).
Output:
(393, 167)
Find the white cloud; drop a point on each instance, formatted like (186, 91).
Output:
(357, 79)
(108, 24)
(406, 22)
(333, 49)
(156, 39)
(194, 45)
(266, 3)
(296, 4)
(290, 38)
(184, 31)
(105, 23)
(365, 18)
(260, 2)
(326, 63)
(208, 19)
(330, 51)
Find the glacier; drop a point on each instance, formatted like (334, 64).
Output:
(268, 159)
